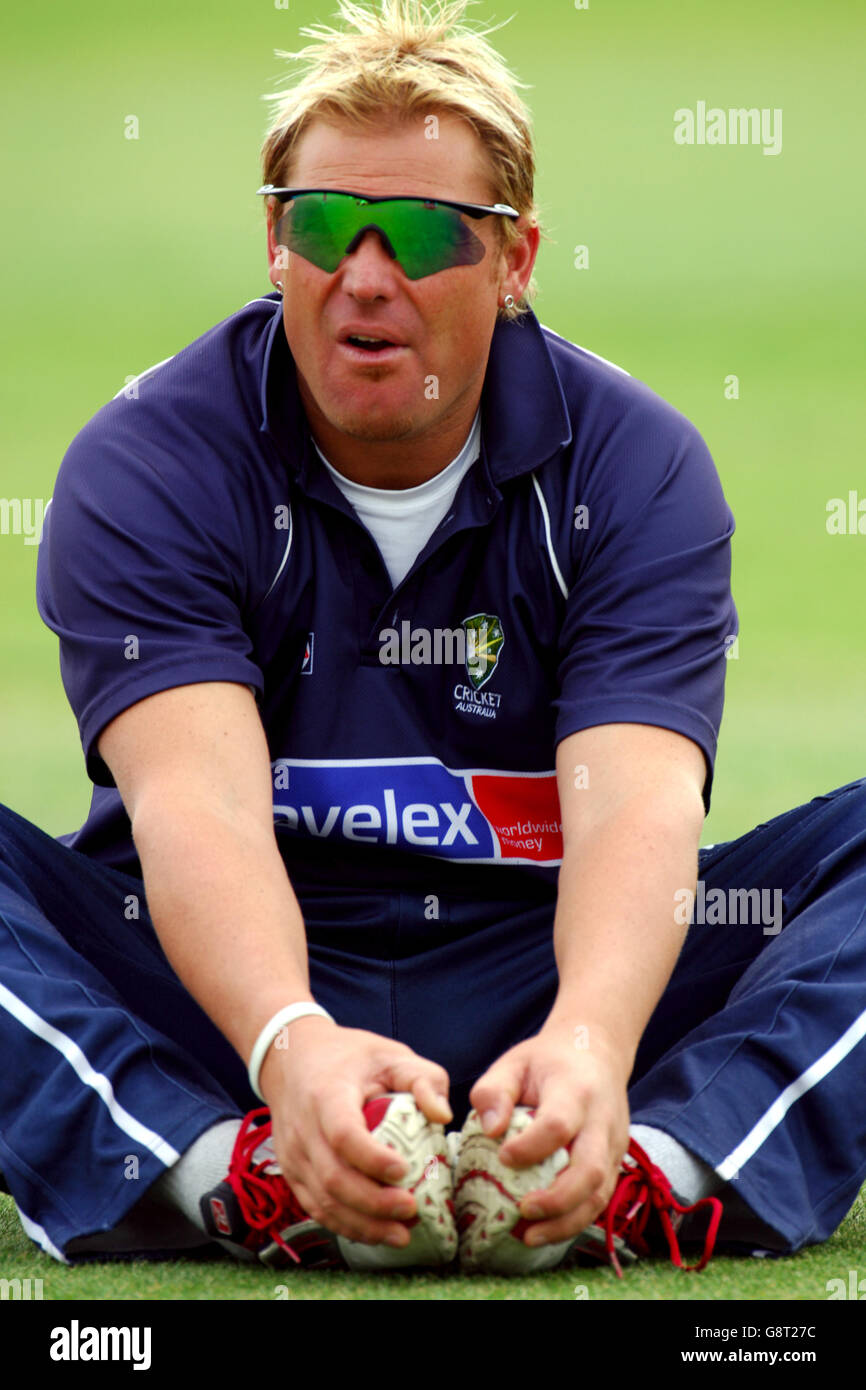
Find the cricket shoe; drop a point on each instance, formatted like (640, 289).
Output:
(255, 1214)
(642, 1213)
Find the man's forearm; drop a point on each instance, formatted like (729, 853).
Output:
(615, 935)
(225, 913)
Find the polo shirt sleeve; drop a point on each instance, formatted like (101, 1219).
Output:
(649, 618)
(141, 571)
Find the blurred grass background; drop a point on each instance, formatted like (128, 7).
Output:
(703, 262)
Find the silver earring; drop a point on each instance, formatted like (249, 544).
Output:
(509, 301)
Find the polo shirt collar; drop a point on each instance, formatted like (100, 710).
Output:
(524, 418)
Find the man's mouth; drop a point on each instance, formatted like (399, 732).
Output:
(369, 344)
(367, 348)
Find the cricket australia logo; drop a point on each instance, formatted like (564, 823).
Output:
(484, 641)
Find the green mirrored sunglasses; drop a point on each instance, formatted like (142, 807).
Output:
(425, 235)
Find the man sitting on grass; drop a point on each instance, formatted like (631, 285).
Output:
(395, 625)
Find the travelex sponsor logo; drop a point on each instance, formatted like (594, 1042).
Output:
(477, 815)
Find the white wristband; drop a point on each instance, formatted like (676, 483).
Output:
(270, 1031)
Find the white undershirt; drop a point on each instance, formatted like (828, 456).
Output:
(402, 520)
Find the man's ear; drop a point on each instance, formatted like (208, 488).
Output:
(277, 253)
(520, 259)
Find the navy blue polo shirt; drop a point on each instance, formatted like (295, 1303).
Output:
(581, 577)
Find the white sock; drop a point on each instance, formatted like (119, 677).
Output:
(204, 1165)
(690, 1178)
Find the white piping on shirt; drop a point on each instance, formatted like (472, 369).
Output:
(286, 553)
(133, 381)
(554, 563)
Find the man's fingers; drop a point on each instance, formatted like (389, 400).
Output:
(345, 1130)
(344, 1186)
(588, 1181)
(346, 1178)
(557, 1119)
(566, 1227)
(432, 1101)
(426, 1081)
(347, 1202)
(347, 1221)
(348, 1138)
(579, 1194)
(496, 1093)
(574, 1201)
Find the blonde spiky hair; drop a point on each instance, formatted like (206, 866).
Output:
(409, 59)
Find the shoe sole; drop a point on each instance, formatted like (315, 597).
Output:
(433, 1240)
(315, 1248)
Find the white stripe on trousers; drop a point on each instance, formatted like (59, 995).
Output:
(774, 1116)
(86, 1073)
(35, 1232)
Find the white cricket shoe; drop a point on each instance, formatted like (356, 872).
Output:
(487, 1194)
(254, 1214)
(396, 1120)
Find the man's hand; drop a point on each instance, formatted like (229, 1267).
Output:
(631, 824)
(316, 1088)
(192, 765)
(576, 1081)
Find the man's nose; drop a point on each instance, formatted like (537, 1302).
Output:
(369, 264)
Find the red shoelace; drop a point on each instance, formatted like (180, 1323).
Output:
(642, 1189)
(266, 1201)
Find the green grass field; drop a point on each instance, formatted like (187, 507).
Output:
(704, 262)
(801, 1277)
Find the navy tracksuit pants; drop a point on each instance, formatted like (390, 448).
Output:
(755, 1057)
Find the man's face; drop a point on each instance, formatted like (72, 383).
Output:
(443, 322)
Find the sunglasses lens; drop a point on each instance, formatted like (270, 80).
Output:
(315, 229)
(429, 237)
(423, 237)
